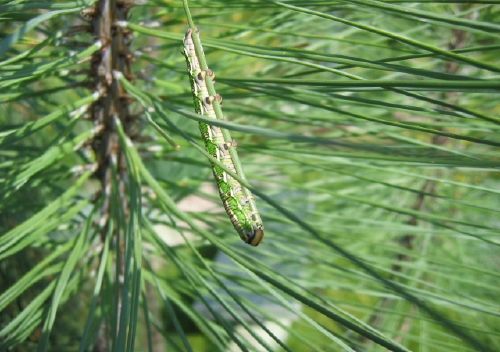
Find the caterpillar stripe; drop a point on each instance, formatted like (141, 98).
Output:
(237, 200)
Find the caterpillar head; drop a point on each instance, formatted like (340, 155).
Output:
(255, 236)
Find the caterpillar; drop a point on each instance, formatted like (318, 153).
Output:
(236, 199)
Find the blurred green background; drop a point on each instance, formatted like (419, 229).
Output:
(369, 131)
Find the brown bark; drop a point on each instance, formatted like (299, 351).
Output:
(114, 56)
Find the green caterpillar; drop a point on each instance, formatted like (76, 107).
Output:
(237, 200)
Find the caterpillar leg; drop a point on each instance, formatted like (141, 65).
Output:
(227, 145)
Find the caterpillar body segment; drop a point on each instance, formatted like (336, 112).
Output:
(237, 200)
